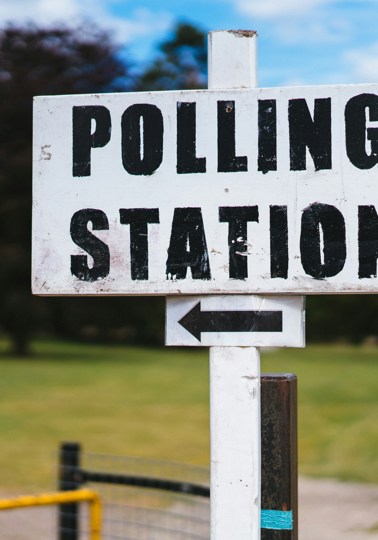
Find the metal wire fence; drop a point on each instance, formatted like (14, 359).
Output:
(155, 500)
(142, 499)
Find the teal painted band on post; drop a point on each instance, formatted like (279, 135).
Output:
(279, 520)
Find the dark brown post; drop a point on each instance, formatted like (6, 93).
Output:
(69, 478)
(279, 470)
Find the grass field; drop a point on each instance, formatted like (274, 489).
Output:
(154, 403)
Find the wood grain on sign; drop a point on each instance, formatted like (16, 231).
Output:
(213, 191)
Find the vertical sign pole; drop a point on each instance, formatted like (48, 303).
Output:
(234, 371)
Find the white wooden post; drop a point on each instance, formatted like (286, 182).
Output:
(234, 371)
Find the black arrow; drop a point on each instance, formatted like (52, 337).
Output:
(197, 321)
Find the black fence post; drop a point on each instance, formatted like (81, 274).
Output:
(69, 479)
(279, 463)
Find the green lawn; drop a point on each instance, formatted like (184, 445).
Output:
(154, 403)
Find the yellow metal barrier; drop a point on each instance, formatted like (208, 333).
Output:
(62, 497)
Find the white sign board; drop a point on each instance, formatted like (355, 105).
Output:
(240, 320)
(214, 191)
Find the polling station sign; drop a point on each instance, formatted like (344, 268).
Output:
(200, 192)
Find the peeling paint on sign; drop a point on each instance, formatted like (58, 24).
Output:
(199, 192)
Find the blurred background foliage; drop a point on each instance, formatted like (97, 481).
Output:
(61, 60)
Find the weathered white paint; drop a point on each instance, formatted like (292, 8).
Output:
(235, 443)
(243, 44)
(293, 321)
(235, 419)
(57, 195)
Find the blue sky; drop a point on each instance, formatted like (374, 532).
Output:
(301, 42)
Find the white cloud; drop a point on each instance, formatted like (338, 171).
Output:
(319, 28)
(137, 23)
(309, 21)
(278, 8)
(300, 21)
(39, 11)
(143, 22)
(293, 9)
(363, 63)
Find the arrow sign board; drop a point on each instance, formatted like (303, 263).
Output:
(235, 321)
(207, 192)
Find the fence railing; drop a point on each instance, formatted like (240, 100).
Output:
(144, 506)
(68, 497)
(161, 505)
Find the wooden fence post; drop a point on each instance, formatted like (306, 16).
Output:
(279, 470)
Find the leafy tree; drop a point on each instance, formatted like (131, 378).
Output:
(181, 62)
(37, 61)
(347, 318)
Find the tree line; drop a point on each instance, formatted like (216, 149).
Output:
(62, 60)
